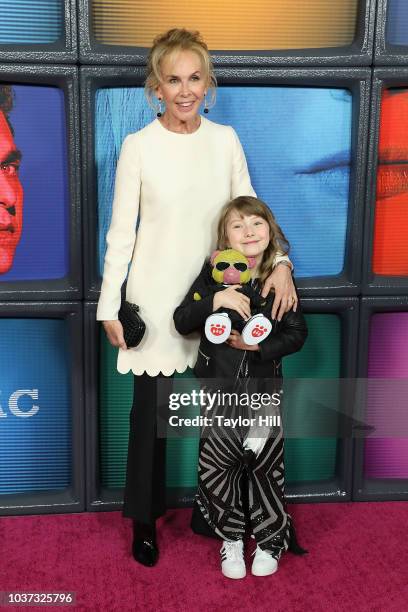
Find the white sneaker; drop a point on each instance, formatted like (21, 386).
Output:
(263, 564)
(217, 327)
(256, 329)
(232, 559)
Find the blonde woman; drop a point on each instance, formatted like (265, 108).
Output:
(175, 175)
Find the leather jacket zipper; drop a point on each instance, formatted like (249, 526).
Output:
(240, 365)
(207, 359)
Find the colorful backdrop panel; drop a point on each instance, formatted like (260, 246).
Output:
(35, 405)
(229, 24)
(390, 252)
(116, 396)
(28, 22)
(38, 120)
(387, 359)
(297, 141)
(396, 32)
(313, 458)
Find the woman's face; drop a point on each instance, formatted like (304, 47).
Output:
(183, 86)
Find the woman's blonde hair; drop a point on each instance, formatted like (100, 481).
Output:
(177, 39)
(248, 205)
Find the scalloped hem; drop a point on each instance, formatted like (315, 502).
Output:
(156, 371)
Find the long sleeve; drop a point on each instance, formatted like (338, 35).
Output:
(289, 338)
(121, 235)
(191, 314)
(281, 257)
(240, 181)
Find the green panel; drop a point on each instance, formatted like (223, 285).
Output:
(312, 458)
(115, 403)
(116, 396)
(182, 453)
(305, 459)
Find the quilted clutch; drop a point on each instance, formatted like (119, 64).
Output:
(133, 325)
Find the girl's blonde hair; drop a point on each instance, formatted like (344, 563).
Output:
(248, 205)
(175, 40)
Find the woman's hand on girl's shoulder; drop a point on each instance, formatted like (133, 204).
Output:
(114, 332)
(235, 341)
(233, 299)
(285, 292)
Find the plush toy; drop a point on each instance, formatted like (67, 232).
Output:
(230, 267)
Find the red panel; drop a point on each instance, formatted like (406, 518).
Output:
(390, 250)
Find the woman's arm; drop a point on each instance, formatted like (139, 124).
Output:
(121, 235)
(240, 179)
(285, 293)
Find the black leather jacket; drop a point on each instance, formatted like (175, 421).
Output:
(221, 360)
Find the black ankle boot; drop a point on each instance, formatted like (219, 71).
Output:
(144, 547)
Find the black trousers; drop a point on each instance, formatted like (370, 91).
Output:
(145, 488)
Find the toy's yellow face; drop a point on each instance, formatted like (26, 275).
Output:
(230, 267)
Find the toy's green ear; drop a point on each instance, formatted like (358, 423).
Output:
(196, 297)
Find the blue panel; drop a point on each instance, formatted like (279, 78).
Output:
(118, 112)
(297, 142)
(35, 420)
(396, 32)
(38, 119)
(31, 21)
(298, 145)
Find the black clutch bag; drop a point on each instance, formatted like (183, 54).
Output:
(133, 325)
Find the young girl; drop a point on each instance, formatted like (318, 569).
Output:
(243, 462)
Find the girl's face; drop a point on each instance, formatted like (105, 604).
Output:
(183, 86)
(248, 234)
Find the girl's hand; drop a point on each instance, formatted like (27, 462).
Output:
(231, 298)
(114, 332)
(235, 341)
(285, 294)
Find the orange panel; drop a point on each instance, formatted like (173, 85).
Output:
(390, 249)
(229, 24)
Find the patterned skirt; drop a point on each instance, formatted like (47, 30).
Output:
(228, 473)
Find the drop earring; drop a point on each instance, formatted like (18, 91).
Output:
(159, 112)
(206, 109)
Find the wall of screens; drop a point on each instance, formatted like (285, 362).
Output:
(317, 93)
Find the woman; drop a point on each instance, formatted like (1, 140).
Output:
(177, 173)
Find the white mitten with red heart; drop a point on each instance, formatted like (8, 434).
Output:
(217, 327)
(256, 329)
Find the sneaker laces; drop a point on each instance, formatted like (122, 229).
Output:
(233, 550)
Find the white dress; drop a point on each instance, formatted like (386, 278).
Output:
(177, 184)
